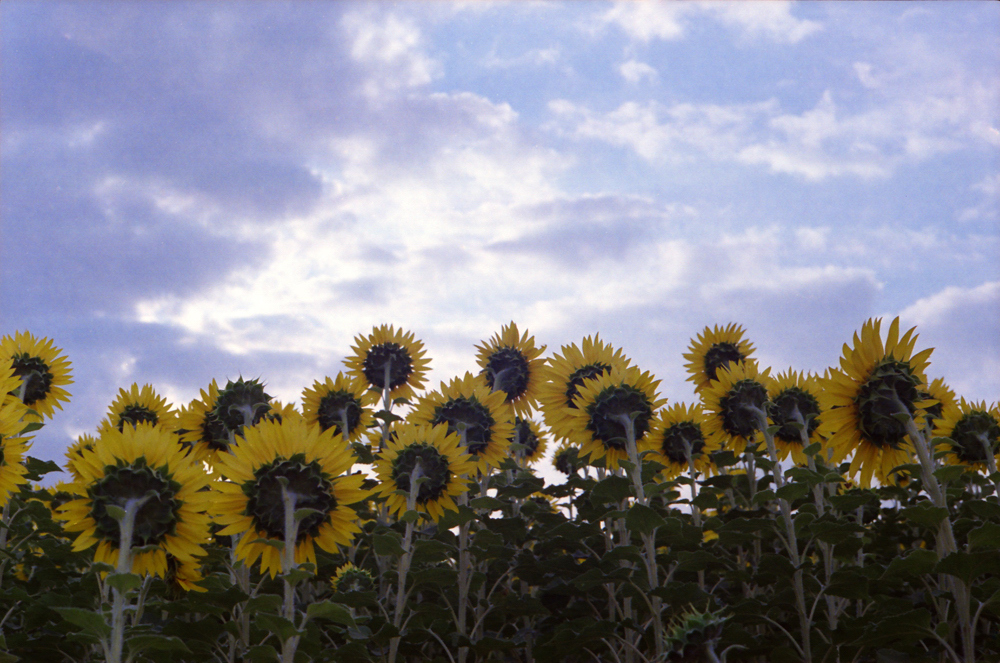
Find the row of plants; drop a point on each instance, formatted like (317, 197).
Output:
(848, 516)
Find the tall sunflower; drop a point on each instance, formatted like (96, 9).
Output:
(216, 420)
(43, 370)
(311, 465)
(733, 402)
(427, 452)
(512, 364)
(74, 454)
(137, 406)
(965, 432)
(794, 408)
(389, 358)
(678, 437)
(13, 445)
(860, 402)
(713, 349)
(144, 465)
(597, 423)
(529, 435)
(480, 417)
(343, 404)
(567, 372)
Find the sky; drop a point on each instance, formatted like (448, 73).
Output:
(199, 190)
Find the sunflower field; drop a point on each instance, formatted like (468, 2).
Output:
(777, 516)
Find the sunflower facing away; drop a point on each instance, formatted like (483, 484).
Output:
(794, 407)
(567, 372)
(140, 463)
(343, 404)
(441, 461)
(350, 578)
(389, 358)
(12, 445)
(137, 406)
(877, 381)
(512, 364)
(966, 431)
(479, 416)
(713, 349)
(733, 402)
(43, 370)
(217, 419)
(597, 422)
(529, 436)
(313, 465)
(678, 435)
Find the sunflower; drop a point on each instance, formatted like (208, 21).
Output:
(940, 392)
(144, 464)
(389, 359)
(860, 402)
(566, 458)
(215, 421)
(678, 436)
(43, 370)
(480, 417)
(597, 421)
(511, 363)
(966, 431)
(307, 464)
(280, 411)
(12, 445)
(350, 578)
(74, 454)
(733, 402)
(794, 408)
(137, 406)
(434, 454)
(713, 349)
(529, 435)
(343, 404)
(567, 372)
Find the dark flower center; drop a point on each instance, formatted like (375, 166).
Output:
(878, 400)
(154, 520)
(35, 374)
(305, 480)
(434, 466)
(969, 433)
(470, 414)
(526, 437)
(719, 356)
(507, 371)
(678, 437)
(566, 460)
(355, 580)
(783, 410)
(241, 404)
(395, 357)
(581, 375)
(740, 406)
(135, 415)
(337, 406)
(606, 412)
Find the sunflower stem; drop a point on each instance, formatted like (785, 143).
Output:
(288, 565)
(991, 461)
(126, 528)
(404, 562)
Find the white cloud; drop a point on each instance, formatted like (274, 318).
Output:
(634, 71)
(392, 48)
(989, 208)
(769, 20)
(645, 21)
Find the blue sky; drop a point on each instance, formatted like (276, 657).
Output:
(198, 190)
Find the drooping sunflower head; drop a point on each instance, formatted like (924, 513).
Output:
(241, 404)
(389, 359)
(966, 432)
(281, 465)
(679, 440)
(734, 402)
(567, 372)
(512, 364)
(566, 458)
(43, 371)
(713, 349)
(13, 445)
(479, 416)
(75, 453)
(862, 401)
(430, 453)
(350, 578)
(530, 439)
(605, 404)
(137, 406)
(343, 404)
(794, 408)
(943, 395)
(145, 469)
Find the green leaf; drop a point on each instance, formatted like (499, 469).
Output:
(986, 537)
(918, 563)
(302, 514)
(848, 583)
(388, 545)
(812, 449)
(274, 543)
(115, 511)
(124, 582)
(950, 473)
(792, 491)
(410, 516)
(763, 497)
(458, 518)
(89, 621)
(643, 519)
(486, 503)
(611, 490)
(333, 612)
(925, 514)
(140, 643)
(280, 626)
(263, 653)
(297, 576)
(263, 603)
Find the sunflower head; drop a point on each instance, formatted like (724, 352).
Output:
(679, 440)
(43, 371)
(512, 364)
(529, 437)
(390, 360)
(734, 403)
(13, 446)
(714, 349)
(137, 406)
(350, 578)
(603, 408)
(967, 432)
(862, 401)
(430, 455)
(343, 404)
(566, 458)
(794, 407)
(241, 403)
